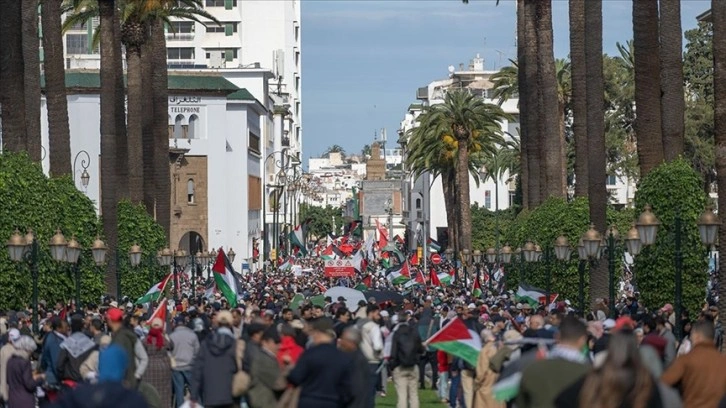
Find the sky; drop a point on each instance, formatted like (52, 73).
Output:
(362, 60)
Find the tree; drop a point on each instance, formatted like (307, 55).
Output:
(528, 99)
(647, 85)
(579, 101)
(59, 135)
(671, 78)
(597, 193)
(161, 189)
(718, 13)
(468, 124)
(31, 60)
(334, 149)
(12, 74)
(321, 220)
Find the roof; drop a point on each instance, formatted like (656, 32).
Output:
(203, 83)
(415, 106)
(705, 16)
(241, 95)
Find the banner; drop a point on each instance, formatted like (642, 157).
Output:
(337, 268)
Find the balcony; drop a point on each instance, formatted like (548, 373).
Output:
(179, 36)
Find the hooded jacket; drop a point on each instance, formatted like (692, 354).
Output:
(214, 368)
(74, 351)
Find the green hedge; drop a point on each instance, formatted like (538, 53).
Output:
(30, 200)
(670, 189)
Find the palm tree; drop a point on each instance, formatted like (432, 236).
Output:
(718, 15)
(334, 149)
(59, 135)
(471, 126)
(529, 101)
(647, 84)
(552, 179)
(673, 104)
(160, 138)
(31, 58)
(579, 102)
(595, 95)
(12, 74)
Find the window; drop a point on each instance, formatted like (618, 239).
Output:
(418, 203)
(182, 27)
(297, 33)
(77, 44)
(178, 130)
(193, 124)
(611, 180)
(221, 3)
(229, 53)
(253, 142)
(186, 53)
(190, 191)
(488, 199)
(254, 193)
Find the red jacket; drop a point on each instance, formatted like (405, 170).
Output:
(443, 360)
(288, 347)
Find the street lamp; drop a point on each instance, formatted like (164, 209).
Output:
(708, 224)
(27, 249)
(633, 242)
(529, 251)
(591, 240)
(562, 248)
(99, 252)
(466, 257)
(647, 226)
(58, 246)
(85, 162)
(73, 252)
(180, 262)
(506, 253)
(582, 262)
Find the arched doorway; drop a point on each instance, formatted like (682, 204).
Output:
(192, 242)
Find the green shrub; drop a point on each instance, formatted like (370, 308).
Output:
(671, 189)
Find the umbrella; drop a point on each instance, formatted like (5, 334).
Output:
(383, 296)
(352, 296)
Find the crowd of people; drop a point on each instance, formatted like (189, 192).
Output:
(272, 349)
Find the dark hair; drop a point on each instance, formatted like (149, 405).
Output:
(56, 323)
(286, 310)
(341, 311)
(649, 322)
(572, 329)
(287, 330)
(317, 307)
(705, 328)
(77, 324)
(271, 334)
(97, 324)
(372, 308)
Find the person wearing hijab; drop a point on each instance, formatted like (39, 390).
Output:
(21, 380)
(158, 373)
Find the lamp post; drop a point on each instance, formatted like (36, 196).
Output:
(25, 248)
(582, 262)
(180, 263)
(648, 225)
(477, 258)
(73, 252)
(466, 257)
(506, 256)
(286, 159)
(85, 162)
(492, 259)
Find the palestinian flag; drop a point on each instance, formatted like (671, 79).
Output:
(296, 301)
(529, 294)
(364, 284)
(159, 312)
(400, 275)
(433, 245)
(224, 278)
(330, 253)
(420, 277)
(456, 339)
(382, 236)
(353, 227)
(297, 238)
(445, 279)
(155, 292)
(476, 289)
(414, 258)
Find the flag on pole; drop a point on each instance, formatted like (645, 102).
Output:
(420, 277)
(401, 275)
(434, 278)
(414, 258)
(445, 278)
(476, 289)
(297, 238)
(224, 278)
(159, 312)
(382, 236)
(153, 294)
(529, 294)
(456, 339)
(433, 245)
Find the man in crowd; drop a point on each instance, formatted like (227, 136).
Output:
(215, 365)
(122, 336)
(186, 348)
(51, 349)
(544, 380)
(267, 378)
(75, 349)
(699, 374)
(372, 346)
(350, 340)
(406, 349)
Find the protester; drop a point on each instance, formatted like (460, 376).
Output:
(544, 380)
(405, 355)
(215, 366)
(323, 372)
(158, 372)
(700, 374)
(75, 349)
(186, 348)
(485, 376)
(124, 337)
(268, 378)
(6, 352)
(289, 351)
(372, 346)
(349, 342)
(22, 382)
(51, 349)
(89, 368)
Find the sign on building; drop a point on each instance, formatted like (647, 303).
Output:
(339, 268)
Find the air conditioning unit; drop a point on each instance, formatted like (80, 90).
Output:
(216, 59)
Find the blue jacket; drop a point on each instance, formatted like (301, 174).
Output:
(49, 357)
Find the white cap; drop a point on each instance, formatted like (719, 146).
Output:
(429, 298)
(13, 335)
(608, 324)
(384, 313)
(471, 306)
(113, 304)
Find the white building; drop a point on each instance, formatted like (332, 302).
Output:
(475, 79)
(334, 179)
(215, 157)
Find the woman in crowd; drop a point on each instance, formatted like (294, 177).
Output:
(158, 374)
(22, 382)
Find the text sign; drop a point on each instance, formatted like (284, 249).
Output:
(338, 268)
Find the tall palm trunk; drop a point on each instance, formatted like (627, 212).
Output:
(122, 160)
(647, 85)
(462, 186)
(528, 95)
(147, 70)
(31, 45)
(448, 181)
(524, 131)
(673, 104)
(597, 191)
(59, 135)
(134, 125)
(12, 74)
(159, 88)
(548, 115)
(110, 49)
(579, 101)
(718, 13)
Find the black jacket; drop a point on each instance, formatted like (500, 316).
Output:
(214, 368)
(324, 373)
(74, 351)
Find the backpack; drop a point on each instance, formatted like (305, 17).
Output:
(408, 347)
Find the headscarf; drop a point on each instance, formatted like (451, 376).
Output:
(112, 363)
(155, 336)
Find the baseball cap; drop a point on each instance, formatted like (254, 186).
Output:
(624, 322)
(115, 315)
(471, 306)
(13, 335)
(608, 324)
(113, 304)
